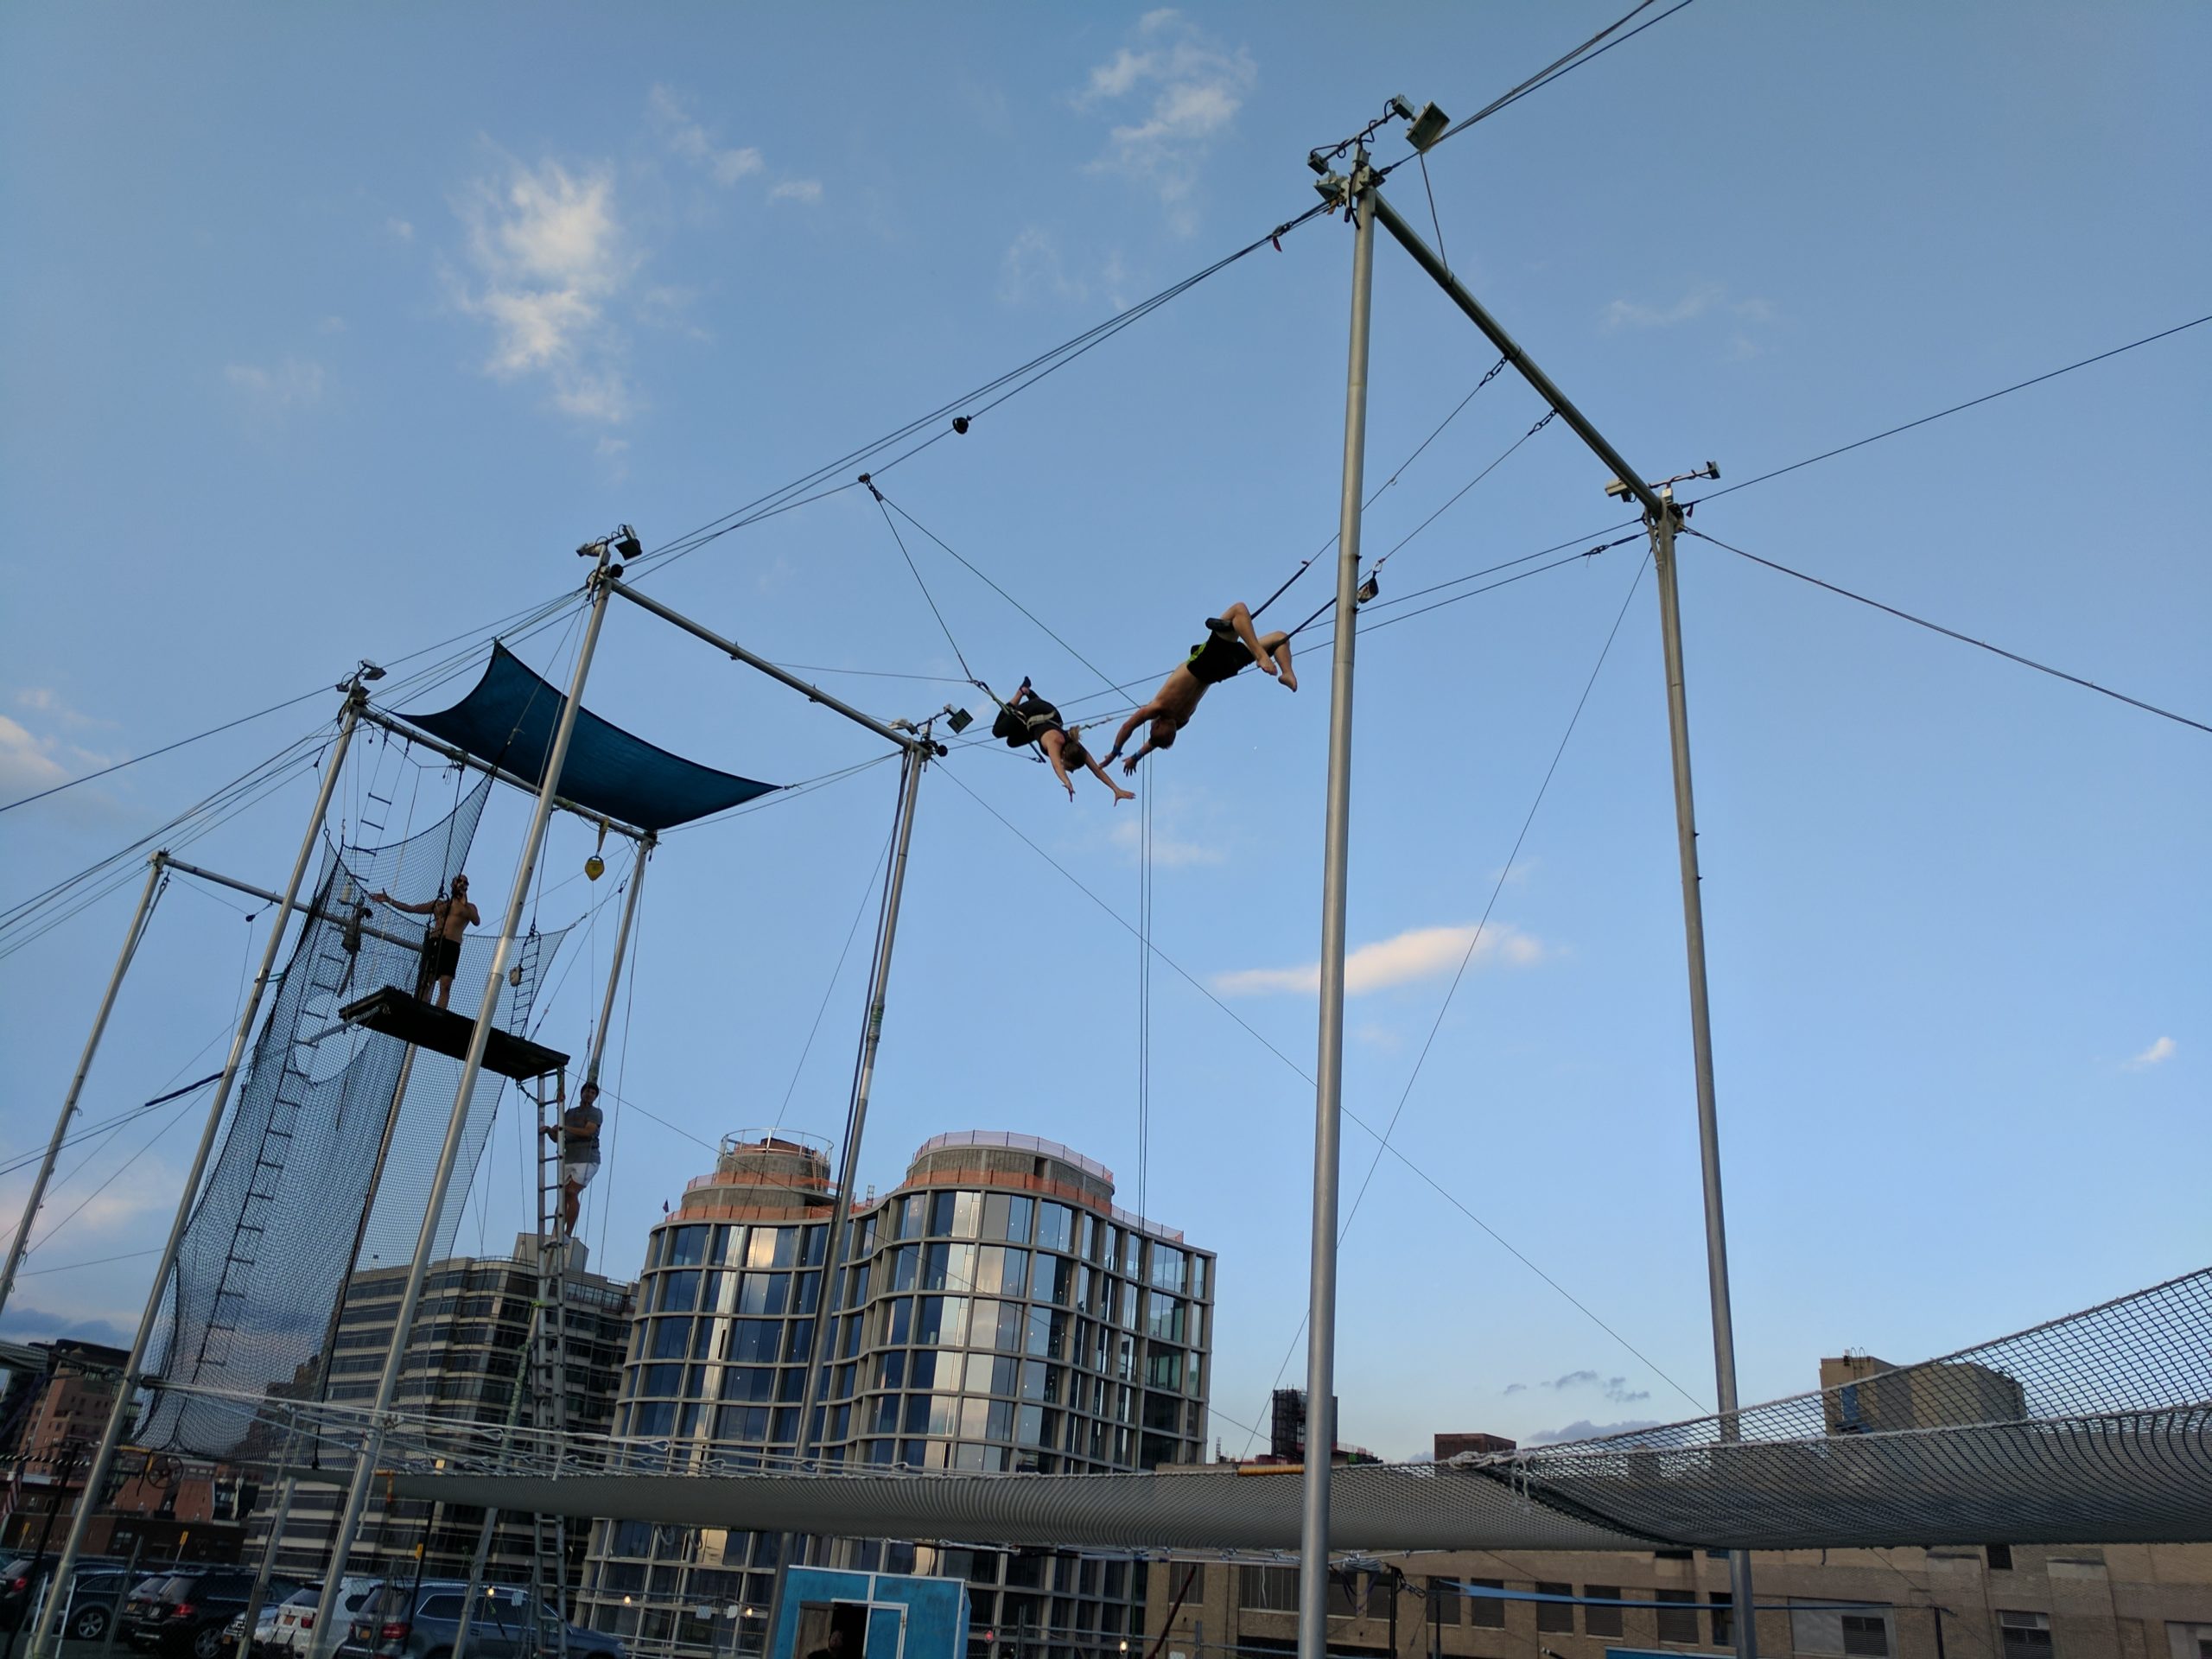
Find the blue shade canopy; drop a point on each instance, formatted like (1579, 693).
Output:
(509, 719)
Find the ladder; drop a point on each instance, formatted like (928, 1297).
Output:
(548, 1353)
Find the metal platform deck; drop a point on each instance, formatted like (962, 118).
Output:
(396, 1013)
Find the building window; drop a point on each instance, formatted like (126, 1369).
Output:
(1677, 1622)
(2001, 1557)
(1601, 1621)
(2025, 1635)
(1830, 1630)
(1724, 1618)
(1268, 1589)
(1555, 1616)
(1488, 1612)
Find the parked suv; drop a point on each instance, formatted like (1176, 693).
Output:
(23, 1585)
(410, 1621)
(185, 1615)
(294, 1632)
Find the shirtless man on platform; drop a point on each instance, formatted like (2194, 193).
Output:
(450, 919)
(1231, 645)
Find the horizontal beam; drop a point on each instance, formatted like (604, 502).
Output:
(462, 757)
(812, 693)
(300, 904)
(1426, 257)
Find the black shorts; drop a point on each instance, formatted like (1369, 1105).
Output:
(440, 957)
(1022, 723)
(1222, 657)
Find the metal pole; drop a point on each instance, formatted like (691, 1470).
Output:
(1663, 523)
(825, 1307)
(291, 1488)
(301, 905)
(1328, 1095)
(1426, 257)
(622, 948)
(906, 740)
(357, 1495)
(44, 1644)
(139, 920)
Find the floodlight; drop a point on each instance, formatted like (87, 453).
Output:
(1618, 489)
(627, 544)
(1427, 127)
(959, 719)
(372, 672)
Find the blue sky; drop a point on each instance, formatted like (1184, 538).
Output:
(330, 335)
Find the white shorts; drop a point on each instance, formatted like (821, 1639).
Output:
(579, 1175)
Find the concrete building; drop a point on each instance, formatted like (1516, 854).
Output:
(999, 1313)
(465, 1360)
(1998, 1602)
(1863, 1401)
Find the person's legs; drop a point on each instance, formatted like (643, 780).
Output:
(1239, 619)
(572, 1199)
(1277, 646)
(445, 988)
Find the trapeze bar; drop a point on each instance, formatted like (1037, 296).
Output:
(397, 1013)
(812, 693)
(301, 905)
(399, 728)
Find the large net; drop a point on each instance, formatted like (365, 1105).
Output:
(272, 1239)
(2094, 1428)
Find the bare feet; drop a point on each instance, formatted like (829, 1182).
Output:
(1121, 794)
(1290, 680)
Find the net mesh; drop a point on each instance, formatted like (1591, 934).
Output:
(2094, 1428)
(270, 1241)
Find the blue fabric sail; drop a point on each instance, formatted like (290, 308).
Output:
(509, 720)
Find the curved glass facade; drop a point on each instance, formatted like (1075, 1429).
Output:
(998, 1313)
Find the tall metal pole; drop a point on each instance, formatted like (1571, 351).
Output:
(1663, 524)
(156, 866)
(357, 1495)
(825, 1307)
(1328, 1095)
(44, 1644)
(621, 950)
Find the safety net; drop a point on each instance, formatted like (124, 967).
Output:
(272, 1239)
(508, 720)
(2094, 1428)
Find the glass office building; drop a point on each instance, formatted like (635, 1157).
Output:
(998, 1313)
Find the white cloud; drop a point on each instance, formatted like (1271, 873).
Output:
(615, 455)
(296, 383)
(332, 325)
(1700, 299)
(549, 255)
(671, 115)
(1183, 88)
(26, 764)
(1168, 852)
(806, 190)
(398, 229)
(1418, 953)
(2157, 1054)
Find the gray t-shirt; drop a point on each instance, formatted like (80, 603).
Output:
(580, 1142)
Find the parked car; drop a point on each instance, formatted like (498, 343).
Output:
(410, 1621)
(95, 1601)
(584, 1643)
(23, 1585)
(185, 1615)
(294, 1633)
(264, 1631)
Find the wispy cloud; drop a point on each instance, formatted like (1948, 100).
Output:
(806, 190)
(1417, 953)
(27, 763)
(1168, 851)
(671, 114)
(1615, 1389)
(1700, 301)
(548, 254)
(294, 384)
(1572, 1380)
(1515, 1387)
(2157, 1054)
(1584, 1429)
(398, 229)
(1177, 89)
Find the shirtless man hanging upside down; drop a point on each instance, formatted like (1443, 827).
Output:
(1231, 645)
(450, 919)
